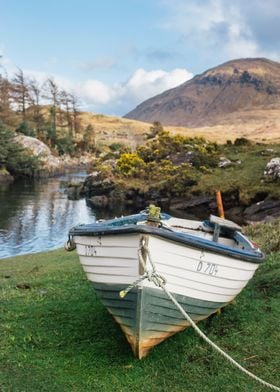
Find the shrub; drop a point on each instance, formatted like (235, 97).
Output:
(204, 160)
(115, 146)
(242, 141)
(25, 129)
(130, 164)
(16, 159)
(65, 145)
(155, 129)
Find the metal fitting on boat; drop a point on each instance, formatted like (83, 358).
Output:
(69, 245)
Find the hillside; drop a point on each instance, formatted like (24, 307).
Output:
(111, 129)
(243, 94)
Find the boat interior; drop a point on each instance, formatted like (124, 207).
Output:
(221, 231)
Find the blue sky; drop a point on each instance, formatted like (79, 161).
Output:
(115, 54)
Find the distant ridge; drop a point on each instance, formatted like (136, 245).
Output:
(243, 91)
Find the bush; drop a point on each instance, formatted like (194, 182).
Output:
(16, 159)
(25, 130)
(165, 145)
(155, 129)
(204, 160)
(130, 165)
(65, 145)
(115, 146)
(242, 141)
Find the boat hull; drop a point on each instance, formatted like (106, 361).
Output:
(201, 281)
(147, 317)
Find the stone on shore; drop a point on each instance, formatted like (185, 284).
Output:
(272, 169)
(51, 164)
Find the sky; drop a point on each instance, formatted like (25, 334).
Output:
(115, 54)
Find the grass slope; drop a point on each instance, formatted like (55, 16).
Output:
(56, 336)
(111, 129)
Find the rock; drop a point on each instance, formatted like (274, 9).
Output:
(98, 201)
(51, 164)
(36, 146)
(235, 214)
(193, 207)
(273, 169)
(266, 209)
(94, 175)
(224, 162)
(201, 206)
(267, 151)
(182, 157)
(5, 177)
(74, 190)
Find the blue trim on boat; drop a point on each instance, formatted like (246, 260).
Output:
(131, 219)
(127, 225)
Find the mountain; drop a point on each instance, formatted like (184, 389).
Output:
(242, 93)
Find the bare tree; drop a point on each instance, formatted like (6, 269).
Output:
(66, 104)
(53, 94)
(74, 102)
(7, 115)
(20, 92)
(35, 97)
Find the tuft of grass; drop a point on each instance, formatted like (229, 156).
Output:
(267, 235)
(56, 336)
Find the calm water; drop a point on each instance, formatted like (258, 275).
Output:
(36, 216)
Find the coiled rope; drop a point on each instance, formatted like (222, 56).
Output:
(160, 281)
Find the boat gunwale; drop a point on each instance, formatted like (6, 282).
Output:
(95, 230)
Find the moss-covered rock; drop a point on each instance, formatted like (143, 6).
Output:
(5, 176)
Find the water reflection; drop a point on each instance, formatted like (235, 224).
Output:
(36, 216)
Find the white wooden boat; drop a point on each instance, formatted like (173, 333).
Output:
(206, 264)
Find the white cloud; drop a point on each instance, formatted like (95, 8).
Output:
(145, 84)
(122, 97)
(226, 28)
(95, 92)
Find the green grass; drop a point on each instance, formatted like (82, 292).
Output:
(247, 177)
(56, 336)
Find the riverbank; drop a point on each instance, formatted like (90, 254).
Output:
(26, 156)
(56, 336)
(182, 175)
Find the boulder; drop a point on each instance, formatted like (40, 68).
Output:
(37, 147)
(272, 169)
(74, 190)
(5, 177)
(266, 209)
(98, 201)
(51, 164)
(224, 162)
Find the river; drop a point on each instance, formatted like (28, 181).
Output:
(36, 215)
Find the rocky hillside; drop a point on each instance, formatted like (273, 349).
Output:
(239, 92)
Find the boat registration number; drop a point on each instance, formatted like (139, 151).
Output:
(90, 250)
(207, 268)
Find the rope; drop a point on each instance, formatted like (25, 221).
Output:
(160, 281)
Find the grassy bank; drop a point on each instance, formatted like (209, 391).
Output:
(169, 166)
(56, 336)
